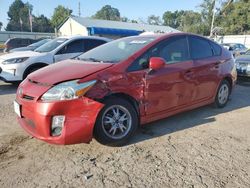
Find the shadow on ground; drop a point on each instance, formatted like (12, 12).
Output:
(240, 98)
(7, 88)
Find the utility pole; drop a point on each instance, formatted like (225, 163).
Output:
(79, 9)
(213, 17)
(229, 2)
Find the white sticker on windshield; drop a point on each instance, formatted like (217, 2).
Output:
(138, 42)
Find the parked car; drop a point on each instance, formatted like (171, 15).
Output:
(236, 48)
(243, 64)
(108, 91)
(31, 47)
(17, 65)
(16, 43)
(2, 46)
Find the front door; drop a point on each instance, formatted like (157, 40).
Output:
(70, 50)
(173, 85)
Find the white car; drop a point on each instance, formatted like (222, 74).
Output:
(17, 65)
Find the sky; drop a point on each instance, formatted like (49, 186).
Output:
(132, 9)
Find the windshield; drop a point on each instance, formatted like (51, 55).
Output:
(51, 45)
(116, 51)
(39, 43)
(248, 52)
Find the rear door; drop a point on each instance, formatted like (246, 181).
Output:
(207, 61)
(70, 50)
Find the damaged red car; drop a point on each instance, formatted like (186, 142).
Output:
(109, 91)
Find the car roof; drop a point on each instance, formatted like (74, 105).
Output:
(85, 37)
(165, 35)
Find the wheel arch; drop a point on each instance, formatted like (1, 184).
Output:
(230, 81)
(34, 65)
(127, 97)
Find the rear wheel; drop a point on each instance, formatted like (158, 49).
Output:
(222, 94)
(116, 122)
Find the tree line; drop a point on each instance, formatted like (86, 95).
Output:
(231, 16)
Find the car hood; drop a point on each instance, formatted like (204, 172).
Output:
(243, 58)
(20, 55)
(66, 70)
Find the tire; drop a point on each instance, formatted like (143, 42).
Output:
(222, 95)
(116, 122)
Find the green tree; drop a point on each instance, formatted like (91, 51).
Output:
(124, 19)
(1, 25)
(42, 24)
(235, 18)
(108, 13)
(187, 21)
(19, 16)
(134, 21)
(154, 20)
(191, 22)
(59, 15)
(172, 19)
(207, 7)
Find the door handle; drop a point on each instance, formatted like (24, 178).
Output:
(189, 73)
(217, 65)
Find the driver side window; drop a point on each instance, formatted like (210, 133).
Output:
(76, 46)
(173, 50)
(143, 61)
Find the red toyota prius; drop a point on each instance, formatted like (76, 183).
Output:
(109, 91)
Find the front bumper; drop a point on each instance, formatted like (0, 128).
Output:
(244, 72)
(10, 73)
(243, 68)
(80, 116)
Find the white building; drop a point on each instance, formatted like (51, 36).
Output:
(74, 25)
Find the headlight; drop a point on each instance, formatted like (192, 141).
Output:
(67, 90)
(15, 60)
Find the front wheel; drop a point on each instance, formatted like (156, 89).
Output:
(116, 122)
(30, 70)
(222, 94)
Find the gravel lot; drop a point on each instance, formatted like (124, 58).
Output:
(206, 147)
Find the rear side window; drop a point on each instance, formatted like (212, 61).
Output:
(215, 48)
(25, 41)
(92, 43)
(200, 48)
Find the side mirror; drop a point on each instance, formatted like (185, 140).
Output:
(156, 63)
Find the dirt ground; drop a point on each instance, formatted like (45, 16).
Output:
(206, 147)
